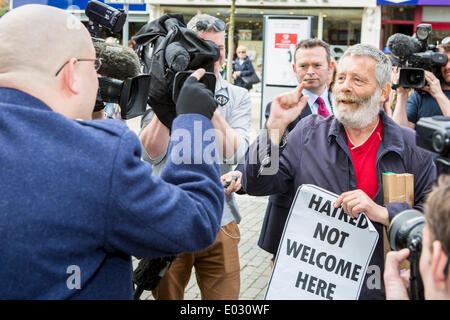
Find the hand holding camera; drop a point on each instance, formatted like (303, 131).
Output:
(396, 283)
(195, 97)
(433, 85)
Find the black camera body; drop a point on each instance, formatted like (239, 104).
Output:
(433, 134)
(122, 82)
(405, 231)
(414, 55)
(101, 14)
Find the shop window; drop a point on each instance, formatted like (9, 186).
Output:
(397, 13)
(338, 32)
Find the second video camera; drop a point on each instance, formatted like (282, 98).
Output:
(121, 82)
(414, 55)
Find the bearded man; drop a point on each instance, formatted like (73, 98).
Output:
(345, 153)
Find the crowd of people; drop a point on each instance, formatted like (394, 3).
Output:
(81, 197)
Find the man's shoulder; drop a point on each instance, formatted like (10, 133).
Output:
(234, 88)
(314, 124)
(235, 93)
(109, 126)
(105, 130)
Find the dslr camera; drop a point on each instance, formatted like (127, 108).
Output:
(121, 81)
(414, 55)
(405, 231)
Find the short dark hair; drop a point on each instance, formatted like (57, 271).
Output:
(437, 211)
(312, 43)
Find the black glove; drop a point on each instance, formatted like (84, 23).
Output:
(194, 97)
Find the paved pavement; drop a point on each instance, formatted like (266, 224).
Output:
(255, 262)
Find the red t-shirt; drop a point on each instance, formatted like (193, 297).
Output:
(364, 161)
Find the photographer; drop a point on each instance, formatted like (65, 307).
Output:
(435, 102)
(435, 256)
(76, 200)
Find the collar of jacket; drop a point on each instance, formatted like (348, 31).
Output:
(19, 98)
(221, 83)
(392, 134)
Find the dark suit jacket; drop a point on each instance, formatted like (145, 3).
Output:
(279, 204)
(246, 70)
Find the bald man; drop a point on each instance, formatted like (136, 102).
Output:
(76, 201)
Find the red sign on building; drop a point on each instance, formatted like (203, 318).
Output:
(284, 40)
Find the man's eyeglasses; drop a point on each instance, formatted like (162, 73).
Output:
(203, 25)
(242, 52)
(97, 64)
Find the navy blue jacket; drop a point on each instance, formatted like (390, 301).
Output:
(246, 69)
(279, 204)
(77, 202)
(317, 153)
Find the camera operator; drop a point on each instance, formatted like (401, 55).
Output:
(76, 200)
(435, 256)
(217, 268)
(436, 102)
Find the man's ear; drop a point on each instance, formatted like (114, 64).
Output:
(385, 92)
(331, 66)
(438, 263)
(69, 77)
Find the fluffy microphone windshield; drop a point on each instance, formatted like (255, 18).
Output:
(402, 45)
(118, 62)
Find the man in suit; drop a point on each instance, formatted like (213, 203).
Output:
(312, 64)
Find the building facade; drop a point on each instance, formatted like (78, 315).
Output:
(341, 23)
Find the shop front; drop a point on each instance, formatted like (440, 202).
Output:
(138, 15)
(338, 22)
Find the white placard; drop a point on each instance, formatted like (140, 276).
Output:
(323, 253)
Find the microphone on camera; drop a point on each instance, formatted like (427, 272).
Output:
(118, 62)
(402, 45)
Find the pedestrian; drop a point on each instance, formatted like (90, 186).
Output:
(242, 67)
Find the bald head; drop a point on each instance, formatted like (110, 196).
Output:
(36, 40)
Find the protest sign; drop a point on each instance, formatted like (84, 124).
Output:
(323, 253)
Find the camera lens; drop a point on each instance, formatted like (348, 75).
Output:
(406, 229)
(414, 78)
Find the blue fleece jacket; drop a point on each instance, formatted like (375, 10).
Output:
(76, 202)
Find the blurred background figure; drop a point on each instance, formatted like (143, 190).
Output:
(242, 67)
(132, 44)
(111, 40)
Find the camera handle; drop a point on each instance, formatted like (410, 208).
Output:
(415, 280)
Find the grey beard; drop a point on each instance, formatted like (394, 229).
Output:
(362, 116)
